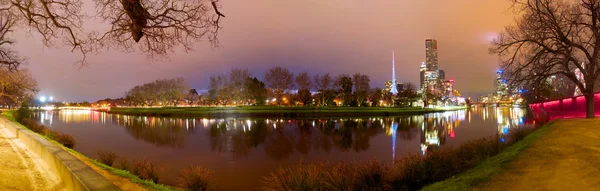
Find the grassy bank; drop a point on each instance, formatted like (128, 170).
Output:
(275, 111)
(10, 115)
(566, 157)
(490, 167)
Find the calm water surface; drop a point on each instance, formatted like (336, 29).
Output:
(242, 151)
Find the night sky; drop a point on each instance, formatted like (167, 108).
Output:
(336, 36)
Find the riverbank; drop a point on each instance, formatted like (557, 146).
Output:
(275, 111)
(563, 155)
(567, 157)
(121, 178)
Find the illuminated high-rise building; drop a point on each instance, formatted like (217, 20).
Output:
(422, 72)
(431, 55)
(501, 86)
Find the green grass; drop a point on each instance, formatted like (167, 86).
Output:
(122, 173)
(488, 168)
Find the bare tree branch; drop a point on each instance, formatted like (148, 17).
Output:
(552, 38)
(8, 58)
(158, 26)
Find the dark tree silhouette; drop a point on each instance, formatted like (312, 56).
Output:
(158, 25)
(323, 84)
(361, 87)
(279, 80)
(8, 58)
(343, 83)
(552, 38)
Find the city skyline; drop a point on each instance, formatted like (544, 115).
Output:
(332, 44)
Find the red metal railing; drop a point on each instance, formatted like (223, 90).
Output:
(572, 107)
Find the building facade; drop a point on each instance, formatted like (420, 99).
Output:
(431, 54)
(422, 75)
(501, 85)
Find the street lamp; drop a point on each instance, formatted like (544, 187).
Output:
(42, 99)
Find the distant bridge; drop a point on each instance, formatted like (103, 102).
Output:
(74, 108)
(498, 103)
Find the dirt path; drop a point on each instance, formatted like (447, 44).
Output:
(20, 169)
(567, 157)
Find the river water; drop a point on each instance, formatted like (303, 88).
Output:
(242, 151)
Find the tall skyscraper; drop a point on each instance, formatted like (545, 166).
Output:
(431, 54)
(501, 86)
(423, 69)
(394, 89)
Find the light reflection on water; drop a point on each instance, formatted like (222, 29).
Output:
(248, 149)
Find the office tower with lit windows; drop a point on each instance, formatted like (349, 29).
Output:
(501, 85)
(431, 55)
(422, 74)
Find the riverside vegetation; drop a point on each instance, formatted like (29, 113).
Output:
(409, 173)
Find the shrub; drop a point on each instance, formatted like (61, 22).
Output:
(66, 140)
(370, 175)
(297, 177)
(33, 125)
(339, 176)
(517, 134)
(50, 134)
(409, 173)
(23, 112)
(107, 158)
(122, 164)
(145, 170)
(195, 178)
(415, 171)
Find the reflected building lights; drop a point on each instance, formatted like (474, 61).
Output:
(435, 128)
(394, 128)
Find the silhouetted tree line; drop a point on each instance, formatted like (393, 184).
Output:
(160, 92)
(282, 87)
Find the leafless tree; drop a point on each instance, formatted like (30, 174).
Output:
(165, 24)
(218, 88)
(8, 57)
(237, 83)
(230, 87)
(280, 81)
(323, 84)
(16, 86)
(303, 81)
(552, 37)
(361, 87)
(163, 92)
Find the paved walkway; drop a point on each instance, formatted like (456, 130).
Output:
(566, 157)
(20, 169)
